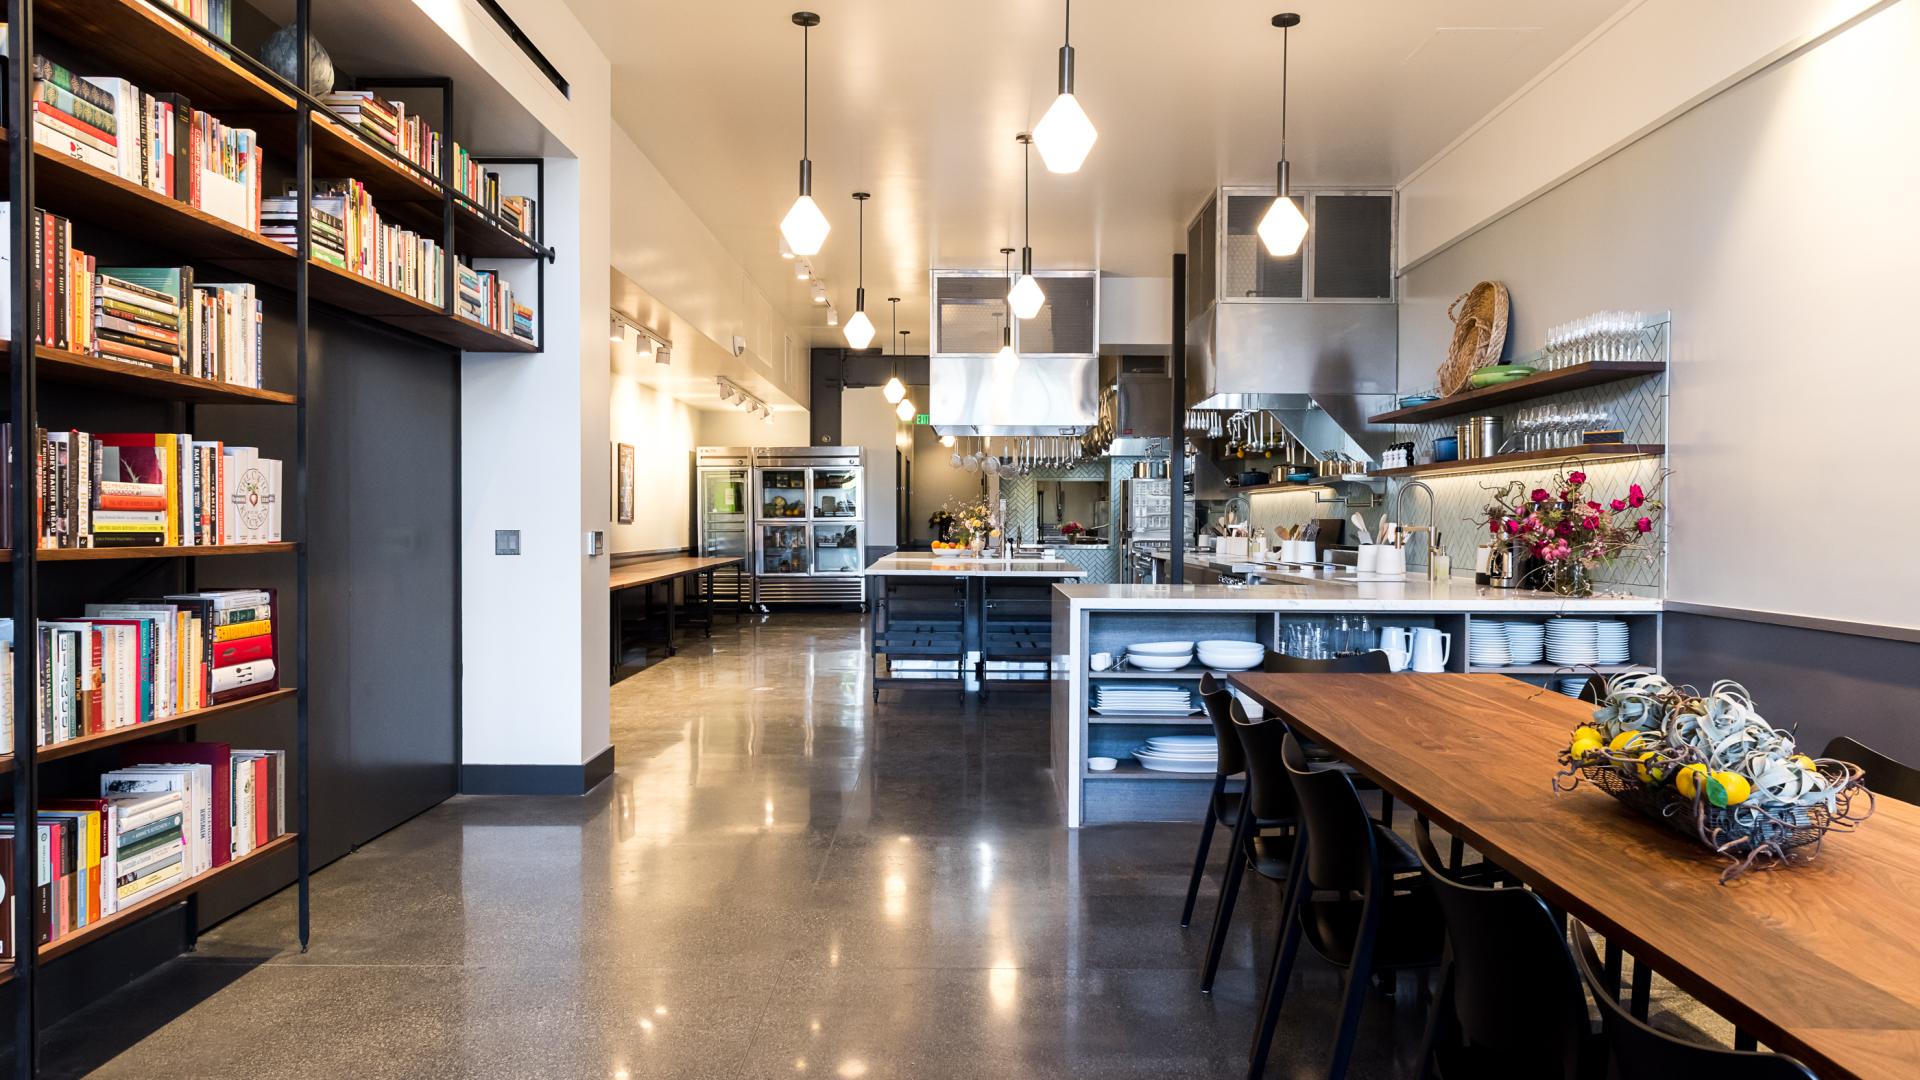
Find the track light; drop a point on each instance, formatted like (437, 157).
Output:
(833, 315)
(805, 227)
(619, 332)
(786, 249)
(766, 416)
(819, 293)
(802, 270)
(663, 354)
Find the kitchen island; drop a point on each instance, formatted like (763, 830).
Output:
(962, 621)
(1095, 619)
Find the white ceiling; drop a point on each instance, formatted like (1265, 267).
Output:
(918, 101)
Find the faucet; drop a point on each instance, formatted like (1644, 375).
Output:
(1400, 511)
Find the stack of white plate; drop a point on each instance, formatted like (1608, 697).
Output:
(1613, 641)
(1487, 643)
(1571, 685)
(1526, 642)
(1573, 641)
(1160, 655)
(1143, 699)
(1179, 753)
(1232, 655)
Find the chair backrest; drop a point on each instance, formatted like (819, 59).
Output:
(1885, 776)
(1217, 700)
(1269, 794)
(1644, 1052)
(1340, 848)
(1516, 991)
(1366, 663)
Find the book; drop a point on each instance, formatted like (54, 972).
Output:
(217, 759)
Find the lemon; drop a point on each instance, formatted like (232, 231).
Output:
(1588, 731)
(1687, 780)
(1804, 762)
(1728, 789)
(1649, 774)
(1626, 740)
(1582, 747)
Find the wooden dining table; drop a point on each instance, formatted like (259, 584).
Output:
(1820, 960)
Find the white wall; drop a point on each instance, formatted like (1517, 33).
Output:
(867, 421)
(534, 431)
(662, 434)
(731, 427)
(1647, 64)
(1777, 221)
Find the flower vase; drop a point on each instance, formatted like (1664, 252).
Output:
(977, 544)
(1571, 577)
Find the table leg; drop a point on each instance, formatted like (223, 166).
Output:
(1744, 1040)
(709, 628)
(1642, 994)
(670, 606)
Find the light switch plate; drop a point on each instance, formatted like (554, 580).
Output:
(596, 542)
(506, 541)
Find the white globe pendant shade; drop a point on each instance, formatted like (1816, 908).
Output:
(805, 227)
(1065, 135)
(1283, 228)
(895, 391)
(905, 411)
(859, 330)
(1025, 298)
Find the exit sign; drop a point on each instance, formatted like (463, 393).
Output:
(920, 418)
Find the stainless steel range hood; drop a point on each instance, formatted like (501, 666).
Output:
(1045, 395)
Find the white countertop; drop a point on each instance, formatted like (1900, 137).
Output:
(1322, 593)
(937, 564)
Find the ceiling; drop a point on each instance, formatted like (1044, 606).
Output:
(919, 101)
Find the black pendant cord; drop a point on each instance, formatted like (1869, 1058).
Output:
(806, 21)
(1006, 272)
(860, 290)
(1026, 248)
(1286, 35)
(895, 301)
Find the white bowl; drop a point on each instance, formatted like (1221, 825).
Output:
(1160, 648)
(1102, 764)
(1151, 662)
(1227, 647)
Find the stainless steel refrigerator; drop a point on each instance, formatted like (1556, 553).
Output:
(1146, 516)
(722, 516)
(809, 525)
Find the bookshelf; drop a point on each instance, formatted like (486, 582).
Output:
(161, 50)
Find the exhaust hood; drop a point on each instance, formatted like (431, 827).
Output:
(1053, 389)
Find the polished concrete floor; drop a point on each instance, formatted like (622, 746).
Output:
(781, 880)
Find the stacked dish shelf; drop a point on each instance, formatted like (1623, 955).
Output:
(163, 51)
(1130, 792)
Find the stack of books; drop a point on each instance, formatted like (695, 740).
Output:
(136, 314)
(388, 123)
(398, 258)
(64, 319)
(170, 813)
(125, 664)
(280, 221)
(215, 15)
(148, 490)
(482, 187)
(483, 296)
(517, 212)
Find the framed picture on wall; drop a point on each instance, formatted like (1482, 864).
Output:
(623, 483)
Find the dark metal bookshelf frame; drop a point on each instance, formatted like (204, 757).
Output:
(22, 550)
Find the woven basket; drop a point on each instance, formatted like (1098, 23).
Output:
(1479, 334)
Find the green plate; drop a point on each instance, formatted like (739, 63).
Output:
(1499, 375)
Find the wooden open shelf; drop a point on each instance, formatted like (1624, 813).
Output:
(88, 743)
(59, 365)
(1283, 485)
(126, 916)
(1514, 462)
(476, 232)
(1558, 381)
(1133, 770)
(198, 551)
(129, 39)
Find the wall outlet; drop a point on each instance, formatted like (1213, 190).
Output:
(506, 541)
(596, 543)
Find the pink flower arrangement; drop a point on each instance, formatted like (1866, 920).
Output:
(1572, 526)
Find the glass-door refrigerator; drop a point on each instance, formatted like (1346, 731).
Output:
(809, 522)
(722, 513)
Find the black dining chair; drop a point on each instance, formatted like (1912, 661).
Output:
(1643, 1052)
(1223, 806)
(1885, 775)
(1381, 915)
(1510, 999)
(1264, 832)
(1373, 662)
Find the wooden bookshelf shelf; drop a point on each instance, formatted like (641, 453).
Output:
(477, 233)
(1558, 381)
(1514, 462)
(198, 551)
(463, 334)
(59, 365)
(89, 743)
(93, 197)
(128, 915)
(130, 39)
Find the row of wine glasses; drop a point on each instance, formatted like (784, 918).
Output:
(1326, 641)
(1545, 427)
(1603, 337)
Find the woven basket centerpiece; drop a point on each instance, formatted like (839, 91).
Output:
(1479, 334)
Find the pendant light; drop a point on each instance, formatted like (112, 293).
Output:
(1006, 361)
(860, 328)
(1284, 226)
(1065, 135)
(895, 391)
(905, 410)
(805, 227)
(1026, 298)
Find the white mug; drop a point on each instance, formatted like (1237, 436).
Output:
(1101, 661)
(1369, 558)
(1431, 649)
(1396, 659)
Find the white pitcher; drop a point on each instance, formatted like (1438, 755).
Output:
(1431, 649)
(1395, 639)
